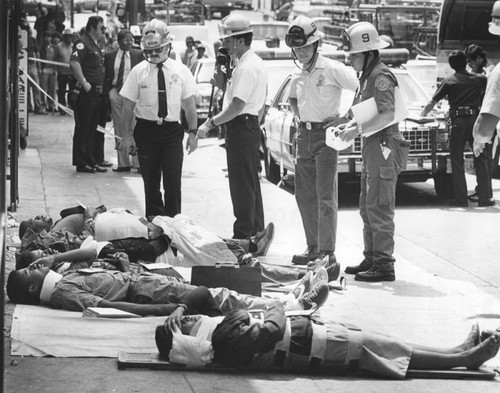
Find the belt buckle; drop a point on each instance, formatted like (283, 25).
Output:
(159, 121)
(308, 125)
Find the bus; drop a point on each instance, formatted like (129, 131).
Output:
(461, 23)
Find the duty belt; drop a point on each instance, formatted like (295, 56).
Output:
(464, 111)
(310, 125)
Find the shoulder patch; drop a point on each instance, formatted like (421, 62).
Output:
(80, 46)
(382, 83)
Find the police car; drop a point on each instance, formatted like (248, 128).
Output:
(428, 137)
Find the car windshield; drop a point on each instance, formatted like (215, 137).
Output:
(413, 95)
(205, 72)
(277, 71)
(269, 30)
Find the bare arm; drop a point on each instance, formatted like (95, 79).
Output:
(87, 255)
(140, 309)
(189, 105)
(233, 110)
(428, 107)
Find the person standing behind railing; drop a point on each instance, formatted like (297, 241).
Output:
(62, 55)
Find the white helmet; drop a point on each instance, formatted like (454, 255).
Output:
(302, 32)
(362, 37)
(155, 37)
(234, 24)
(494, 27)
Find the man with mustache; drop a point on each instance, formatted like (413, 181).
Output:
(154, 92)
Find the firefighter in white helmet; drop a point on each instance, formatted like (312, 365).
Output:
(155, 91)
(489, 115)
(243, 104)
(315, 94)
(384, 153)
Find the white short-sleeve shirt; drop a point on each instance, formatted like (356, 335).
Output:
(248, 83)
(141, 87)
(491, 100)
(318, 92)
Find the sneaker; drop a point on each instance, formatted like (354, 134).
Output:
(315, 298)
(362, 267)
(303, 286)
(329, 262)
(375, 274)
(320, 277)
(309, 255)
(263, 240)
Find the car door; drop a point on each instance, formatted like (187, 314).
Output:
(280, 127)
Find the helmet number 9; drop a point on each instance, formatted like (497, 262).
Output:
(365, 37)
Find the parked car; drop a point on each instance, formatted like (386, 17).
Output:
(429, 151)
(203, 71)
(92, 5)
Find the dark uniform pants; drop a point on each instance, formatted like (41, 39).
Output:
(378, 195)
(461, 133)
(87, 109)
(160, 152)
(242, 151)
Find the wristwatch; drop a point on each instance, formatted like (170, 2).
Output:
(193, 131)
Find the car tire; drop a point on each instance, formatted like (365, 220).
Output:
(443, 185)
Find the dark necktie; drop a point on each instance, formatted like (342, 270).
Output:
(162, 94)
(121, 71)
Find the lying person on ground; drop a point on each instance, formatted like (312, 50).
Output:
(302, 344)
(143, 294)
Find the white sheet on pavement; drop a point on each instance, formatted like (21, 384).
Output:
(41, 331)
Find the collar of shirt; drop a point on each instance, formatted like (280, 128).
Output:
(122, 52)
(320, 64)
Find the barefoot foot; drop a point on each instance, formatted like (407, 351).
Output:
(472, 340)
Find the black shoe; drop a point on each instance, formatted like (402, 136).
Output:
(362, 267)
(122, 169)
(100, 169)
(489, 202)
(375, 274)
(105, 164)
(473, 197)
(309, 255)
(315, 298)
(85, 169)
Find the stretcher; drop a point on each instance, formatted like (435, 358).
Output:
(153, 362)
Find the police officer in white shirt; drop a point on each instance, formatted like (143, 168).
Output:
(243, 100)
(155, 91)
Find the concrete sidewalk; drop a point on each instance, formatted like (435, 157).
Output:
(430, 303)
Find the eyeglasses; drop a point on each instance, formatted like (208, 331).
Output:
(156, 50)
(296, 36)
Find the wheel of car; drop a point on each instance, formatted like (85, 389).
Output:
(272, 168)
(443, 185)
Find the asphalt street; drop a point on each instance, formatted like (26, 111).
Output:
(447, 269)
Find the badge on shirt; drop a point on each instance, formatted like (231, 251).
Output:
(80, 46)
(321, 81)
(382, 82)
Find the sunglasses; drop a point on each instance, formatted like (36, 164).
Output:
(296, 36)
(151, 51)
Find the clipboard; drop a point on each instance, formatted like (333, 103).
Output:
(367, 110)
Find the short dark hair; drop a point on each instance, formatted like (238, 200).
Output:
(123, 33)
(163, 342)
(23, 259)
(457, 60)
(18, 289)
(36, 225)
(474, 51)
(247, 38)
(93, 22)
